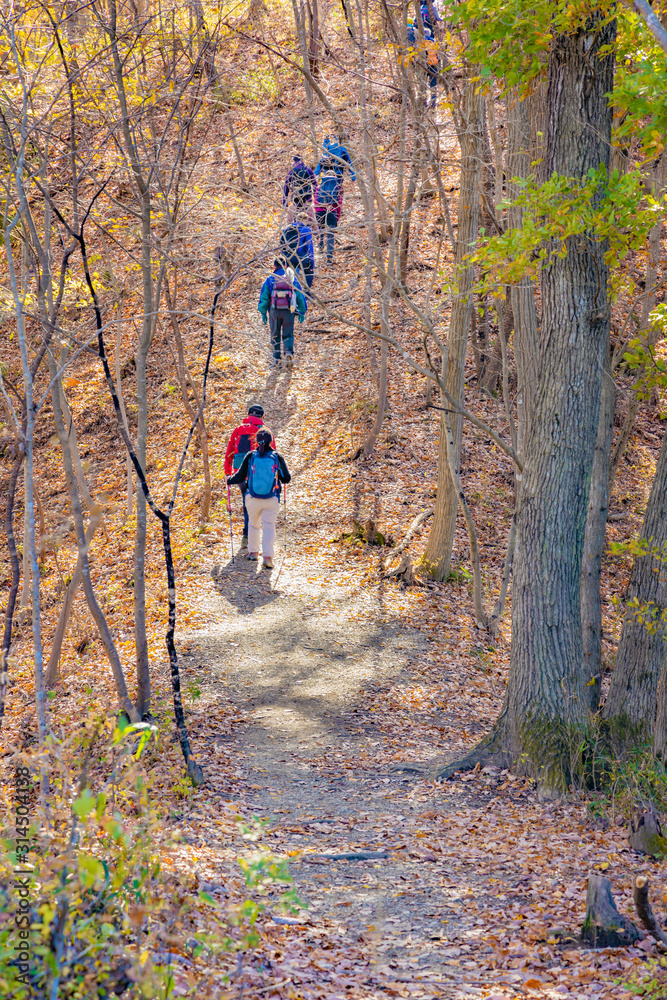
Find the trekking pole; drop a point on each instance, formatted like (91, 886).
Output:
(285, 517)
(231, 530)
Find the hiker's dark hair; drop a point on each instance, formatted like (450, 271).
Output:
(298, 157)
(279, 262)
(264, 440)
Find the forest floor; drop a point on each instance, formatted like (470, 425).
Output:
(321, 697)
(347, 692)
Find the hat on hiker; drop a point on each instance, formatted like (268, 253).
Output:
(255, 410)
(297, 157)
(279, 262)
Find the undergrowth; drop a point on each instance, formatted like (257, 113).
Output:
(92, 902)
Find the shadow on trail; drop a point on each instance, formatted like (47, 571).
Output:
(242, 586)
(279, 407)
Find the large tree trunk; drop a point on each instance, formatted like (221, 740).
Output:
(596, 523)
(546, 695)
(441, 538)
(546, 701)
(631, 704)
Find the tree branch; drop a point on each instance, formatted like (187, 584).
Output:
(652, 22)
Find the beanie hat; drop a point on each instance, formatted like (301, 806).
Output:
(255, 410)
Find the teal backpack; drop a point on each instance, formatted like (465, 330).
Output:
(263, 475)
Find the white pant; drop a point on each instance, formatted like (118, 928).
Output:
(267, 512)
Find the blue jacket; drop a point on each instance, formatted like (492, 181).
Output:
(267, 290)
(426, 17)
(306, 250)
(333, 150)
(301, 254)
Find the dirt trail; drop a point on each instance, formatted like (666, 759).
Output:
(294, 650)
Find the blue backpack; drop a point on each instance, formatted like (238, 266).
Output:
(329, 188)
(263, 475)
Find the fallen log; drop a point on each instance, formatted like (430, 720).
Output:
(604, 926)
(346, 856)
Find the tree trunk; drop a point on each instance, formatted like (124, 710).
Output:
(546, 702)
(630, 707)
(441, 538)
(140, 637)
(596, 523)
(82, 545)
(523, 294)
(14, 585)
(187, 385)
(52, 671)
(546, 695)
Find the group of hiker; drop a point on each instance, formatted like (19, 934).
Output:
(313, 200)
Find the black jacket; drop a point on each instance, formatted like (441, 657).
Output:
(241, 476)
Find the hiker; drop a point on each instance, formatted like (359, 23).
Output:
(328, 204)
(296, 243)
(336, 153)
(302, 185)
(262, 471)
(242, 441)
(432, 61)
(281, 297)
(435, 26)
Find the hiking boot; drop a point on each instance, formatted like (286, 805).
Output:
(252, 556)
(289, 360)
(267, 562)
(244, 541)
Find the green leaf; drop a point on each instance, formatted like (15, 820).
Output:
(84, 804)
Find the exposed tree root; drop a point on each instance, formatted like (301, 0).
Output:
(488, 751)
(409, 535)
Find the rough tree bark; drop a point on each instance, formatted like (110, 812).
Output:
(441, 537)
(519, 161)
(630, 708)
(546, 702)
(596, 523)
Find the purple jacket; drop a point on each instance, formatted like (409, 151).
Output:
(301, 182)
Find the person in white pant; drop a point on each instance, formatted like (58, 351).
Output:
(264, 470)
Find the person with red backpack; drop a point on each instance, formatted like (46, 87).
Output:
(328, 204)
(280, 300)
(243, 440)
(262, 472)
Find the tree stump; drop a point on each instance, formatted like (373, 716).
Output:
(645, 834)
(604, 926)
